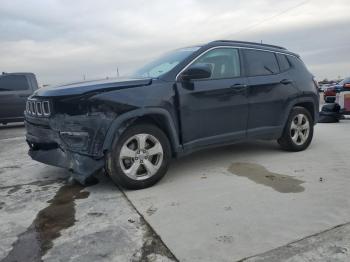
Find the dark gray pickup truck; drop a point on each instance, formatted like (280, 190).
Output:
(15, 88)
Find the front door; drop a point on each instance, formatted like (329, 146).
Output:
(215, 109)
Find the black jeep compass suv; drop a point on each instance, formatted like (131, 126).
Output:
(188, 99)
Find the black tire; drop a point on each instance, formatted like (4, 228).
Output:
(328, 118)
(330, 99)
(286, 142)
(114, 168)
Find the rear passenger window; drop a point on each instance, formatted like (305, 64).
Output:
(13, 83)
(260, 63)
(283, 62)
(297, 63)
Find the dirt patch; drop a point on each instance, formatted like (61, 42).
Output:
(152, 246)
(260, 175)
(151, 210)
(225, 239)
(35, 183)
(3, 169)
(50, 221)
(14, 189)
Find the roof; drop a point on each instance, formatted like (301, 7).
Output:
(17, 73)
(252, 45)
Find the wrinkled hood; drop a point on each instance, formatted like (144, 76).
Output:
(91, 86)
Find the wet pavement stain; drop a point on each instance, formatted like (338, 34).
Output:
(38, 238)
(260, 175)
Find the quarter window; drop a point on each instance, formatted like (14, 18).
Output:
(283, 62)
(224, 63)
(13, 83)
(260, 63)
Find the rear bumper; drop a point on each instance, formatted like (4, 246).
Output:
(46, 146)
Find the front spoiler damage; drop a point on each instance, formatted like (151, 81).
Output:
(81, 167)
(46, 146)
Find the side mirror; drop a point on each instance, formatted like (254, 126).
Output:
(200, 71)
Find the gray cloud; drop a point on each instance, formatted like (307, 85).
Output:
(60, 40)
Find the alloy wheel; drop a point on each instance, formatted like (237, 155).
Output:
(141, 156)
(300, 129)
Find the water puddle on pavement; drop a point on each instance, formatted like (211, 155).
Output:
(38, 238)
(260, 175)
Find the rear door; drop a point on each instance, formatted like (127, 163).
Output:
(14, 90)
(215, 109)
(269, 91)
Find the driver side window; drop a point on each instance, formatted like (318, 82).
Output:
(224, 63)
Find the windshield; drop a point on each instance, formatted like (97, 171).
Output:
(165, 63)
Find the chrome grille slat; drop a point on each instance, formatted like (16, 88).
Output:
(46, 108)
(39, 108)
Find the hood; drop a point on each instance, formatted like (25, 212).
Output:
(91, 86)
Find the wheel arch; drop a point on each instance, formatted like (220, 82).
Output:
(306, 102)
(157, 116)
(309, 106)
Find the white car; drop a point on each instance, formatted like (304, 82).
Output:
(342, 96)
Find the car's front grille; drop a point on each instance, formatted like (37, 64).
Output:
(40, 108)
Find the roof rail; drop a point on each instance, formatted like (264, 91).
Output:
(250, 43)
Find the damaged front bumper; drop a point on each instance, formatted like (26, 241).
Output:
(75, 150)
(81, 166)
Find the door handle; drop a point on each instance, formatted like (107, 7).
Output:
(286, 81)
(238, 88)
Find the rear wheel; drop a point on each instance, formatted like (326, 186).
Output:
(139, 157)
(298, 132)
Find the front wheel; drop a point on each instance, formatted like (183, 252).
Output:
(298, 132)
(140, 157)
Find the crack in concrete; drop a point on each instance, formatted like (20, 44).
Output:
(153, 244)
(294, 242)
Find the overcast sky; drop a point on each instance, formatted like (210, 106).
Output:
(63, 40)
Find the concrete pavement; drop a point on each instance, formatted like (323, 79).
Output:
(211, 206)
(44, 218)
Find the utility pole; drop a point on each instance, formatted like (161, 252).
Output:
(118, 72)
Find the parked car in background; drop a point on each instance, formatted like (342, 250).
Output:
(331, 92)
(343, 96)
(189, 99)
(15, 88)
(323, 87)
